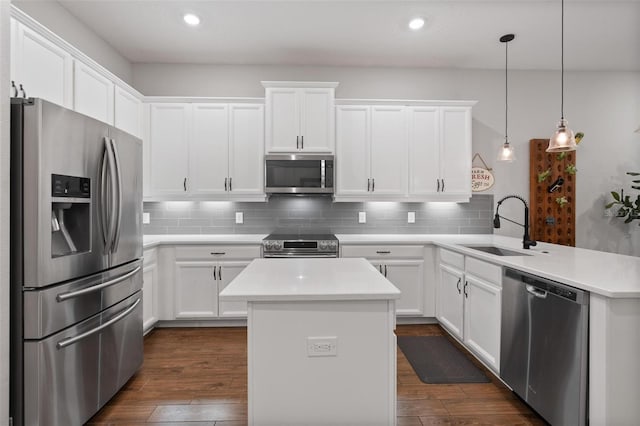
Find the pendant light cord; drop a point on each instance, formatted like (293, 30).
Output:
(506, 91)
(562, 63)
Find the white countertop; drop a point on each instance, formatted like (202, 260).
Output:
(150, 241)
(310, 280)
(607, 274)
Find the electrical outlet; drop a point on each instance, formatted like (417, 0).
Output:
(362, 217)
(322, 346)
(411, 217)
(239, 217)
(146, 218)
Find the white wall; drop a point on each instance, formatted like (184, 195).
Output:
(603, 105)
(56, 18)
(4, 212)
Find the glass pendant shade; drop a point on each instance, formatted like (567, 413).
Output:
(506, 153)
(563, 139)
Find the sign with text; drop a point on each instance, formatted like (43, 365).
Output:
(481, 179)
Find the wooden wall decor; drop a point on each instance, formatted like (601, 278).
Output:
(552, 213)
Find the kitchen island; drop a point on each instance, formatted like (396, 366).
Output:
(321, 342)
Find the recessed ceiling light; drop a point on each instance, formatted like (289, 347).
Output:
(191, 19)
(416, 23)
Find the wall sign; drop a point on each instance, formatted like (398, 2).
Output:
(481, 177)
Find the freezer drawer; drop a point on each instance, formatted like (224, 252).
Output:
(71, 374)
(54, 308)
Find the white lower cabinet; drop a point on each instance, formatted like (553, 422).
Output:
(201, 273)
(469, 304)
(404, 267)
(149, 290)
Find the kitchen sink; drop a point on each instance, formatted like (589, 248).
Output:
(497, 251)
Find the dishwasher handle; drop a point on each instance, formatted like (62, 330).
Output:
(541, 294)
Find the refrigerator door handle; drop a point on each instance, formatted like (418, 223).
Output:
(118, 168)
(72, 294)
(104, 217)
(75, 339)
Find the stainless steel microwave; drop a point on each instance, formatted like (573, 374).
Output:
(299, 174)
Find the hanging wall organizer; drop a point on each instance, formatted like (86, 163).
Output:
(552, 194)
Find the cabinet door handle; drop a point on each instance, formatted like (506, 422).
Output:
(380, 268)
(214, 273)
(24, 94)
(458, 285)
(220, 273)
(184, 184)
(438, 190)
(373, 184)
(15, 89)
(466, 295)
(225, 184)
(442, 185)
(230, 185)
(297, 142)
(383, 251)
(368, 184)
(385, 270)
(302, 141)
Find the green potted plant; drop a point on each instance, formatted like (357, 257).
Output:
(628, 208)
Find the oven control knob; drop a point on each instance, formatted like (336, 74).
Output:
(333, 245)
(268, 245)
(277, 245)
(323, 245)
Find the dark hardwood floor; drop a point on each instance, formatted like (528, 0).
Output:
(198, 376)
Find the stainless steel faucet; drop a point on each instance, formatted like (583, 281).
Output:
(527, 242)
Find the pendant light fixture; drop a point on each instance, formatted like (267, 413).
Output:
(563, 139)
(506, 152)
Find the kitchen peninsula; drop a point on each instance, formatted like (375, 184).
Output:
(335, 341)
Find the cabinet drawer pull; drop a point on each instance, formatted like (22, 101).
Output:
(218, 253)
(383, 252)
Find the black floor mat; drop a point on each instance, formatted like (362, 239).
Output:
(436, 360)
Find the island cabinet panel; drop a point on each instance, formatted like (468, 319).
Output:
(283, 368)
(469, 303)
(404, 266)
(227, 272)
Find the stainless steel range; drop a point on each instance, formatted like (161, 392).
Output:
(309, 245)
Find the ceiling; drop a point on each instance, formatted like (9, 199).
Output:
(599, 35)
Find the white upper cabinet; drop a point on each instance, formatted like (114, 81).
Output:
(388, 151)
(440, 152)
(127, 112)
(43, 69)
(209, 149)
(206, 151)
(92, 93)
(371, 152)
(424, 150)
(169, 148)
(455, 151)
(246, 149)
(353, 166)
(299, 117)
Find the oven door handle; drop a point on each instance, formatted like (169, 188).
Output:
(75, 339)
(281, 256)
(72, 294)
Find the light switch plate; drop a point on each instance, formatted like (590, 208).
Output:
(362, 217)
(239, 217)
(146, 218)
(411, 217)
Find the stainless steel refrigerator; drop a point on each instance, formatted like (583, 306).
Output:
(76, 249)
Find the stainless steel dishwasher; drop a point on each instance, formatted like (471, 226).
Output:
(544, 345)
